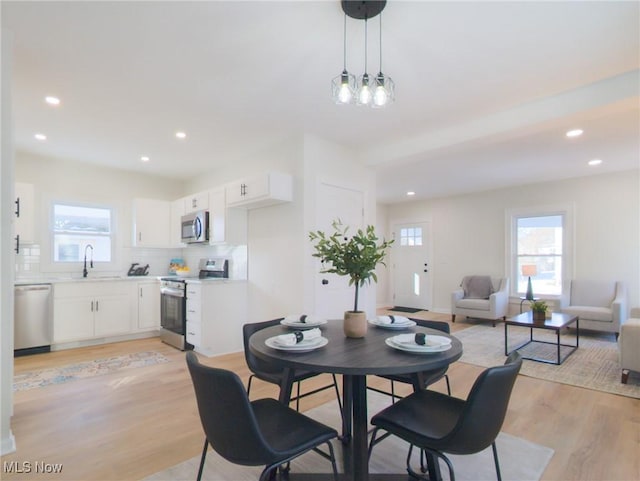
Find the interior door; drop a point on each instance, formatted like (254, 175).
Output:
(334, 296)
(412, 278)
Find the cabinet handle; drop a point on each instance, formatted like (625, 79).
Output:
(17, 244)
(17, 201)
(243, 189)
(91, 306)
(97, 306)
(139, 236)
(141, 292)
(194, 203)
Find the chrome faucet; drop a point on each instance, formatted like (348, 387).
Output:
(85, 271)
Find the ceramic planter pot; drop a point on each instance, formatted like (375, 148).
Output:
(539, 316)
(355, 324)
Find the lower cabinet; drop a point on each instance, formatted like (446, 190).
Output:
(216, 311)
(84, 310)
(148, 304)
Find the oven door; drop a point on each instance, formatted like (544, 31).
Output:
(172, 311)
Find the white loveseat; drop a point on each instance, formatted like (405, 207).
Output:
(600, 305)
(494, 307)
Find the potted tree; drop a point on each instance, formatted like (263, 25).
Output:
(355, 256)
(539, 310)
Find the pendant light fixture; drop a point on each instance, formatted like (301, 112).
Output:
(344, 85)
(384, 91)
(365, 86)
(377, 91)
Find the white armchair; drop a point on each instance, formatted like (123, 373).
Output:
(600, 305)
(493, 307)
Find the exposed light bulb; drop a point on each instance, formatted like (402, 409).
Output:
(380, 96)
(346, 93)
(52, 100)
(365, 95)
(181, 135)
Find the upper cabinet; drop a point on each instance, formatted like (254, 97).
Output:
(24, 214)
(228, 226)
(152, 223)
(196, 202)
(175, 232)
(260, 190)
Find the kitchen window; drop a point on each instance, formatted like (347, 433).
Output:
(77, 226)
(541, 248)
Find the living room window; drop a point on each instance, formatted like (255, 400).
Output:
(540, 250)
(75, 227)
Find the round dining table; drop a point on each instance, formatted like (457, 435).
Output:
(354, 359)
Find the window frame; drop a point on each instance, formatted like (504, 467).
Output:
(566, 211)
(47, 258)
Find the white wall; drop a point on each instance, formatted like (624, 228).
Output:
(469, 230)
(7, 440)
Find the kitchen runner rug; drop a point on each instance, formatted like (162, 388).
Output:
(71, 372)
(520, 460)
(594, 365)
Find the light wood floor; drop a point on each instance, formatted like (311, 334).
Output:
(130, 424)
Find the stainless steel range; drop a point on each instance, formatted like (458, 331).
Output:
(173, 312)
(173, 301)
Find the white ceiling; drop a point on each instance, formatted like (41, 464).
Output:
(485, 90)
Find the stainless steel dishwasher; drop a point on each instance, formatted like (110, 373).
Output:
(32, 319)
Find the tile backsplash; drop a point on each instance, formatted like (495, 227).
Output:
(28, 264)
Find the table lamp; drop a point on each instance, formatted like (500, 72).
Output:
(529, 270)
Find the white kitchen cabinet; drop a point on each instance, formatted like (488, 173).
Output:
(260, 190)
(148, 303)
(24, 212)
(216, 312)
(196, 202)
(151, 220)
(85, 310)
(175, 224)
(226, 225)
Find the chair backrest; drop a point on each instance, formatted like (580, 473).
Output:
(227, 416)
(256, 364)
(439, 325)
(592, 293)
(485, 408)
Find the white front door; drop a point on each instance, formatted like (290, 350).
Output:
(412, 279)
(333, 294)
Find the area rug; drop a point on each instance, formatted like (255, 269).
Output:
(594, 365)
(411, 310)
(520, 460)
(71, 372)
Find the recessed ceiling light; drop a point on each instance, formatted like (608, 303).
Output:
(181, 135)
(575, 133)
(52, 100)
(40, 137)
(410, 193)
(144, 158)
(595, 162)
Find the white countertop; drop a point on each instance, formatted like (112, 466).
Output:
(107, 278)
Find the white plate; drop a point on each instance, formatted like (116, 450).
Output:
(405, 343)
(302, 346)
(303, 325)
(394, 326)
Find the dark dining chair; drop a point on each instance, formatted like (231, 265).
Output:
(438, 424)
(252, 433)
(430, 377)
(265, 371)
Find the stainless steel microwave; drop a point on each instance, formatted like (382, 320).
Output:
(195, 227)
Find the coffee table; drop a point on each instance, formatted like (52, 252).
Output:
(555, 323)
